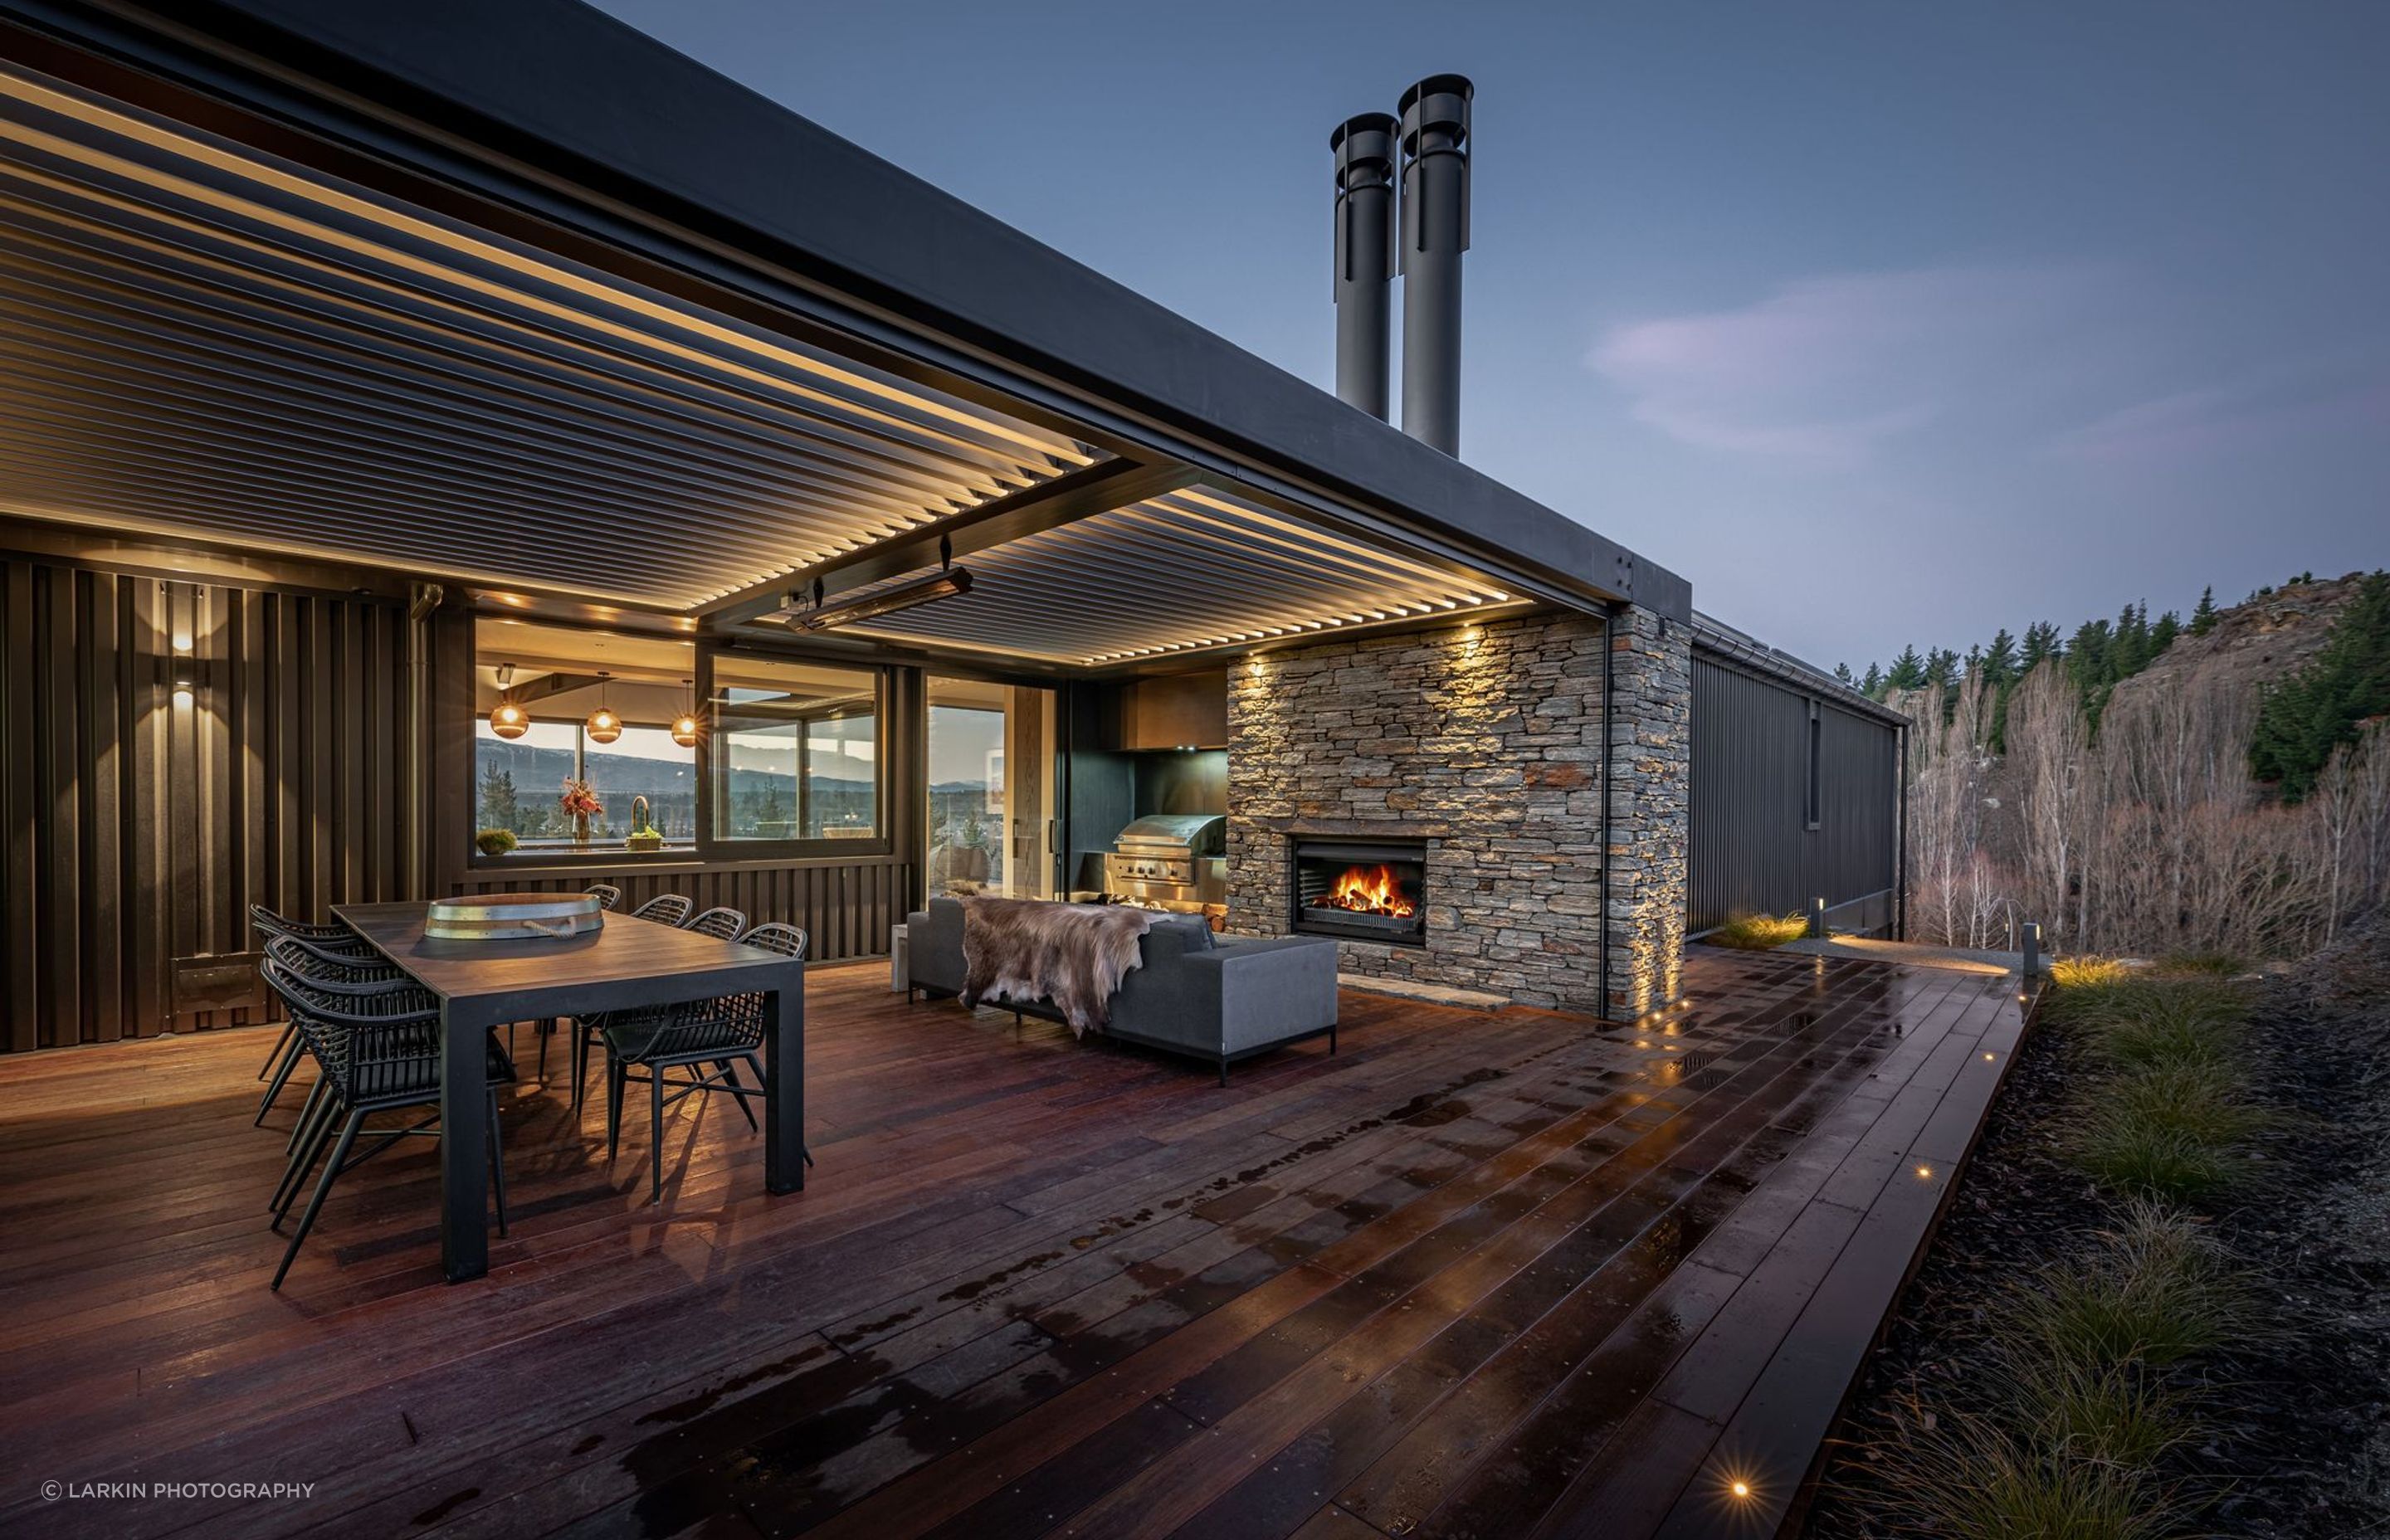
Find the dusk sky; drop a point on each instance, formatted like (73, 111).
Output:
(1880, 323)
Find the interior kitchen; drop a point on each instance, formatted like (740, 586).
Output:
(1147, 772)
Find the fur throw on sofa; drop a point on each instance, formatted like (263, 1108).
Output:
(1073, 954)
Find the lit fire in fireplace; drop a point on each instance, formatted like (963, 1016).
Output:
(1370, 891)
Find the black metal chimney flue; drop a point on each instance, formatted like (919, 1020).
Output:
(1436, 232)
(1364, 147)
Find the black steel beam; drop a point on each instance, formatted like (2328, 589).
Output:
(1076, 494)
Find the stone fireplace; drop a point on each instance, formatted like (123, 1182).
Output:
(1468, 762)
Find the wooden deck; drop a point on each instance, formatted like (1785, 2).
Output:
(1485, 1274)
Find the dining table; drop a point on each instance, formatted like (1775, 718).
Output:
(625, 964)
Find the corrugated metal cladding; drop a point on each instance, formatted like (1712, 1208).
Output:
(1752, 849)
(140, 828)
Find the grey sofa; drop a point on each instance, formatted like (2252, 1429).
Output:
(1218, 1000)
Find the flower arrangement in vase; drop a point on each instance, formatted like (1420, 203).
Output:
(580, 804)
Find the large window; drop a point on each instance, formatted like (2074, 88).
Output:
(556, 679)
(796, 751)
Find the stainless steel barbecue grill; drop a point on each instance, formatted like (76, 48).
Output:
(1175, 859)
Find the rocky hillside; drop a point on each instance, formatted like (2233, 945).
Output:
(2256, 641)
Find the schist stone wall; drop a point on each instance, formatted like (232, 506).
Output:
(1485, 740)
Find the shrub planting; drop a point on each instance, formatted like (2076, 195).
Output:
(1758, 932)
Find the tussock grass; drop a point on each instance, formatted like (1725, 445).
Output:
(2130, 1155)
(2087, 972)
(2151, 1023)
(1978, 1480)
(2115, 1414)
(1759, 933)
(2189, 1096)
(2170, 1129)
(2158, 1291)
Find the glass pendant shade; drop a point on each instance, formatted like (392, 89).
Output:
(684, 730)
(603, 725)
(509, 720)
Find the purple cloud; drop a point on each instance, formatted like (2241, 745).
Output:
(1831, 371)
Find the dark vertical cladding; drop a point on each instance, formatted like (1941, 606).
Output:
(1364, 147)
(174, 752)
(1794, 796)
(1436, 232)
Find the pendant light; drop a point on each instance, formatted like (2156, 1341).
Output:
(683, 728)
(507, 719)
(603, 725)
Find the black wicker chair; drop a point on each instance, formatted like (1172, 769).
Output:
(287, 1050)
(723, 922)
(721, 1033)
(664, 909)
(317, 960)
(610, 898)
(377, 1044)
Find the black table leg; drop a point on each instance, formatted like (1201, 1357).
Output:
(784, 1088)
(464, 1147)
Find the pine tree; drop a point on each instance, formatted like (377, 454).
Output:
(2129, 645)
(2162, 634)
(1908, 671)
(1872, 684)
(499, 807)
(1842, 673)
(2040, 642)
(2000, 661)
(2203, 619)
(1941, 667)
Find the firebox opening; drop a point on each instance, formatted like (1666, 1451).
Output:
(1367, 891)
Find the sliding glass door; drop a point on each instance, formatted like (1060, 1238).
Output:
(991, 817)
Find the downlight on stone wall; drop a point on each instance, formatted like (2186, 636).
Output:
(1484, 741)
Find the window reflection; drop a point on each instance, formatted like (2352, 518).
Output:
(796, 753)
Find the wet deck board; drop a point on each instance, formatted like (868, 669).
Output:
(1477, 1275)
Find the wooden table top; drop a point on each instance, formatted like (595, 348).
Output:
(625, 963)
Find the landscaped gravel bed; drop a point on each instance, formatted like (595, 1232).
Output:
(2292, 1434)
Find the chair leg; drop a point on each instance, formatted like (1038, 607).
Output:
(546, 1030)
(316, 1204)
(580, 1065)
(281, 1078)
(615, 1075)
(730, 1073)
(497, 1163)
(655, 1134)
(326, 1132)
(302, 1160)
(290, 1030)
(307, 1108)
(756, 1068)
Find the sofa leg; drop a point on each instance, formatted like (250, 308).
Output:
(1331, 1037)
(1224, 1071)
